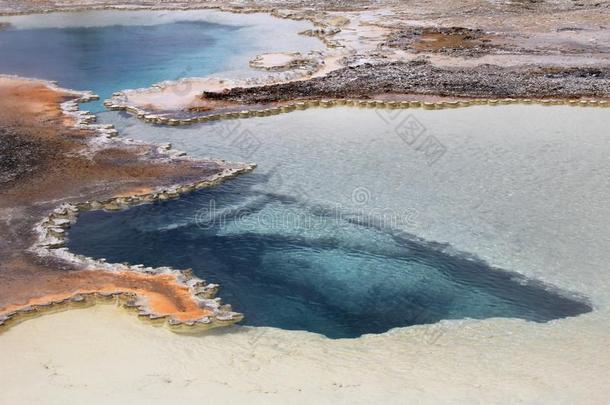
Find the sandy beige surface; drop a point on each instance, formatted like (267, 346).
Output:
(101, 355)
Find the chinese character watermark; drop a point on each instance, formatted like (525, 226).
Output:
(414, 134)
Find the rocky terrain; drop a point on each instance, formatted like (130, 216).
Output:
(391, 50)
(420, 77)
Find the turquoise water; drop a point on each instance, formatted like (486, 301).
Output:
(111, 58)
(287, 263)
(108, 51)
(325, 235)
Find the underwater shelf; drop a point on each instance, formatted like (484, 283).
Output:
(287, 264)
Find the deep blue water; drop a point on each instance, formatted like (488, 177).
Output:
(111, 58)
(338, 275)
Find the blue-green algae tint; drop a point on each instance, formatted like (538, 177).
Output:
(111, 58)
(287, 264)
(109, 51)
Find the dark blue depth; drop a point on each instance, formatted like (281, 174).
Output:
(327, 281)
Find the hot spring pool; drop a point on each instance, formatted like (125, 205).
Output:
(288, 264)
(346, 227)
(333, 233)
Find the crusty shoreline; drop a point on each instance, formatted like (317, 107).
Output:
(39, 274)
(397, 52)
(241, 111)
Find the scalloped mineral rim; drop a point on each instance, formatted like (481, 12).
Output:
(119, 103)
(204, 312)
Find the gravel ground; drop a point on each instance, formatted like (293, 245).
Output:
(423, 78)
(19, 156)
